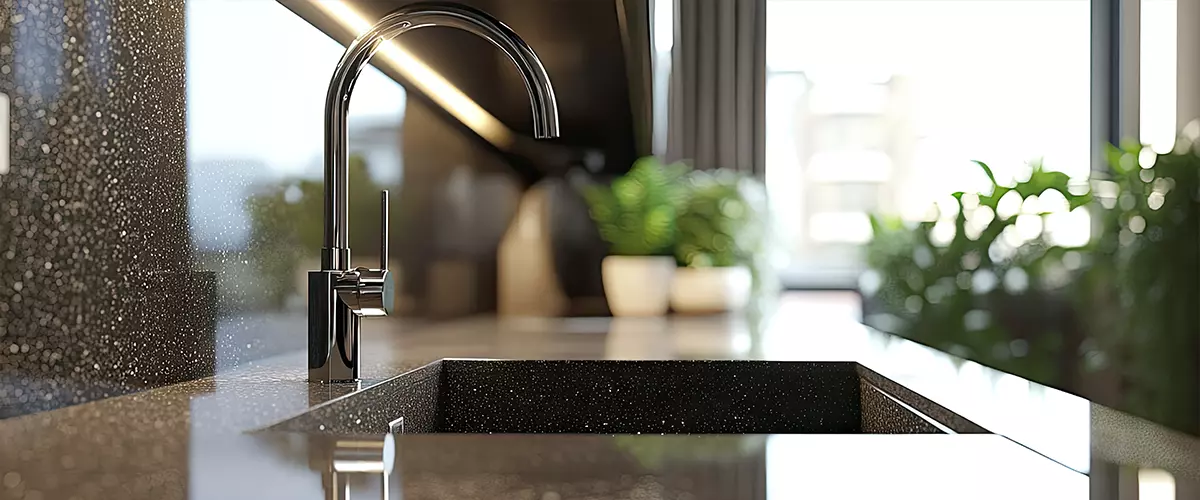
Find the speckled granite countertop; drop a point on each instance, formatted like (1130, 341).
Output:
(190, 440)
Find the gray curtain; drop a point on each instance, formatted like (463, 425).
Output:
(717, 92)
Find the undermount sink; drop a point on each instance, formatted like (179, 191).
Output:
(632, 397)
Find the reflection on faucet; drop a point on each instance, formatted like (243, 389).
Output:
(339, 296)
(358, 461)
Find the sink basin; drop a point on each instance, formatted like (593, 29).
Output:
(632, 397)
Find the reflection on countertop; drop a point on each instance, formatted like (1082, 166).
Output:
(191, 440)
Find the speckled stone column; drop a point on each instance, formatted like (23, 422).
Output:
(96, 293)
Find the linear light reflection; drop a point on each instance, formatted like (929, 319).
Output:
(429, 81)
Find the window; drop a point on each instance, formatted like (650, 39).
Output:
(256, 115)
(878, 106)
(1157, 82)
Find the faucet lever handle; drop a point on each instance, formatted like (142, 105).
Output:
(383, 229)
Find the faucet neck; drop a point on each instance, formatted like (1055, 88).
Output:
(335, 254)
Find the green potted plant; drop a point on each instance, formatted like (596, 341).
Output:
(721, 231)
(1142, 290)
(1112, 317)
(636, 217)
(972, 285)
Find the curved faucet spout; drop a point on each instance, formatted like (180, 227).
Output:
(338, 297)
(335, 255)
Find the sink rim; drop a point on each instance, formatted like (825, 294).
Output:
(932, 413)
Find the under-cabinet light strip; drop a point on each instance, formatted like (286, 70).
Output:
(429, 81)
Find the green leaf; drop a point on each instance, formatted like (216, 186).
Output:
(986, 170)
(720, 223)
(636, 213)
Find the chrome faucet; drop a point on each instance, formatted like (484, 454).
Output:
(338, 296)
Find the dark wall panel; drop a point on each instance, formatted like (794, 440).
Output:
(93, 236)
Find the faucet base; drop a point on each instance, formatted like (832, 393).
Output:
(332, 332)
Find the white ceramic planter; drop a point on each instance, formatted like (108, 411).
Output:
(707, 290)
(637, 286)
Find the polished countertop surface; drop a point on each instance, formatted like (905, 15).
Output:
(197, 439)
